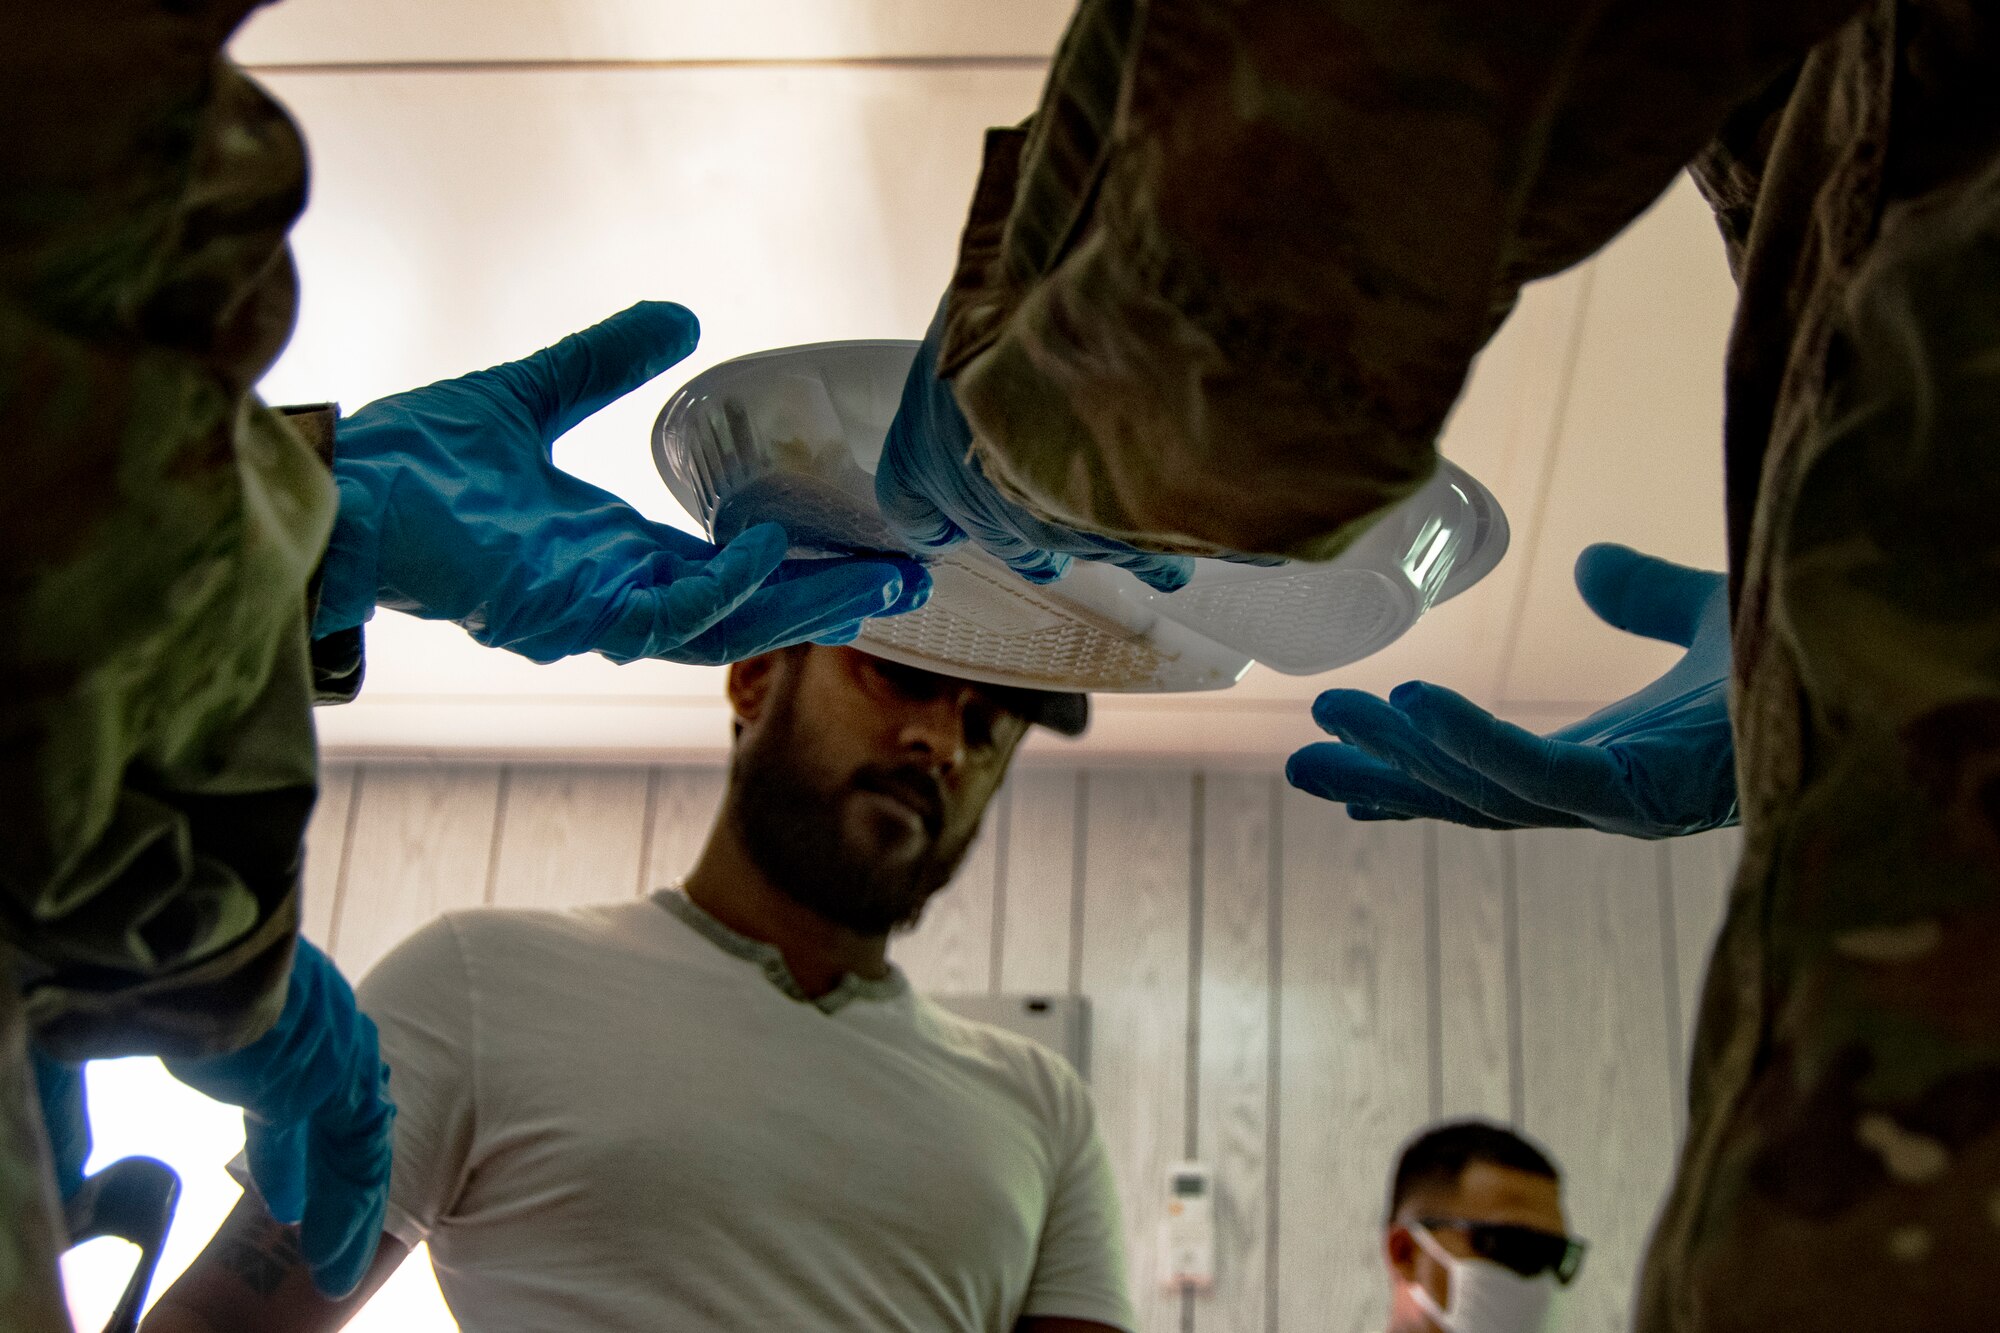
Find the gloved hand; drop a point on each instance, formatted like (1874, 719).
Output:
(452, 508)
(934, 493)
(1657, 764)
(316, 1117)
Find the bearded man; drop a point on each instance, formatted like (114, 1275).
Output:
(721, 1106)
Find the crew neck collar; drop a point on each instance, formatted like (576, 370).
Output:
(771, 962)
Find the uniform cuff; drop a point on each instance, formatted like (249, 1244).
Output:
(339, 659)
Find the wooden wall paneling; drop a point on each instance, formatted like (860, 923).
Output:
(1038, 899)
(1703, 869)
(570, 834)
(685, 804)
(1134, 967)
(1232, 1121)
(326, 851)
(1478, 1008)
(1596, 1049)
(423, 844)
(951, 950)
(1354, 1063)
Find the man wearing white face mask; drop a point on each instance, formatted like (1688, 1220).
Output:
(1475, 1239)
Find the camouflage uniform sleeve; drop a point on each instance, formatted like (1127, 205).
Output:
(1225, 286)
(338, 659)
(159, 529)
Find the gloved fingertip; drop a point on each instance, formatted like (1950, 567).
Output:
(1646, 594)
(762, 536)
(1332, 708)
(1042, 567)
(1169, 576)
(1600, 556)
(1410, 694)
(1306, 768)
(916, 588)
(1369, 814)
(912, 517)
(749, 558)
(337, 1278)
(278, 1169)
(289, 1212)
(674, 329)
(1434, 710)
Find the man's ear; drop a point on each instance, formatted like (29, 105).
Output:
(1399, 1250)
(750, 685)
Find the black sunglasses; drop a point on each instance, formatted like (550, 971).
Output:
(1524, 1249)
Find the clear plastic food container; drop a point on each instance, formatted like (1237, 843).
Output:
(792, 436)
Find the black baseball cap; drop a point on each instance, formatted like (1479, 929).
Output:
(1063, 713)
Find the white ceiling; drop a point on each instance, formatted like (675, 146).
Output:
(490, 176)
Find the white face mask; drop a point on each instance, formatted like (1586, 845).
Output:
(1485, 1298)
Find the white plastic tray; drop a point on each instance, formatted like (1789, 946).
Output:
(793, 435)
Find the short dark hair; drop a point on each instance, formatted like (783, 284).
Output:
(1440, 1154)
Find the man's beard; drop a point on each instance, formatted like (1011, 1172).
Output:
(793, 829)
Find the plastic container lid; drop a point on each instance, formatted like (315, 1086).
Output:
(792, 436)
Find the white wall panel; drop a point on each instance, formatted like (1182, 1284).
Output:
(1134, 951)
(951, 950)
(326, 852)
(570, 835)
(1478, 998)
(422, 845)
(685, 804)
(1355, 1063)
(1233, 1111)
(399, 31)
(1595, 1042)
(1704, 868)
(1039, 896)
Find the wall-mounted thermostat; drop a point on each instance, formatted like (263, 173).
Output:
(1187, 1232)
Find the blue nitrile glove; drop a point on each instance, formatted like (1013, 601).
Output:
(452, 508)
(316, 1119)
(1657, 764)
(65, 1118)
(934, 493)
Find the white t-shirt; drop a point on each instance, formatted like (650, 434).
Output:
(628, 1117)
